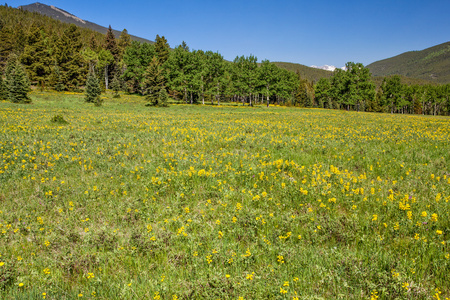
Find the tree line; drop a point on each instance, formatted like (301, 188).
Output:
(69, 58)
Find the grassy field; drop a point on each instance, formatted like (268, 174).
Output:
(125, 201)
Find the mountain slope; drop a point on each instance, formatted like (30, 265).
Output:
(306, 72)
(430, 64)
(64, 16)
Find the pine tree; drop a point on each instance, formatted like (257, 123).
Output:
(110, 45)
(6, 43)
(69, 59)
(56, 79)
(124, 42)
(36, 57)
(93, 90)
(163, 97)
(154, 81)
(17, 82)
(161, 49)
(116, 85)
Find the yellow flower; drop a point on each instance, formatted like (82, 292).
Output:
(21, 284)
(374, 217)
(438, 231)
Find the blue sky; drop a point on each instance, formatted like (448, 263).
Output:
(306, 32)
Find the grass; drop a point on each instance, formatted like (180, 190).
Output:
(133, 202)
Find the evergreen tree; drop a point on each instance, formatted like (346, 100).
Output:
(184, 46)
(69, 59)
(111, 43)
(6, 43)
(56, 79)
(322, 93)
(116, 85)
(93, 43)
(161, 49)
(36, 57)
(124, 42)
(137, 58)
(303, 93)
(154, 81)
(17, 83)
(93, 91)
(163, 97)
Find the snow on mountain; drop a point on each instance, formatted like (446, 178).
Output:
(326, 68)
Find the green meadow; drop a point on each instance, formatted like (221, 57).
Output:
(125, 201)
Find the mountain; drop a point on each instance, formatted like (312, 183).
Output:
(306, 72)
(64, 16)
(431, 64)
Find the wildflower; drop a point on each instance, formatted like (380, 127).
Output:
(250, 276)
(374, 295)
(374, 217)
(439, 232)
(434, 217)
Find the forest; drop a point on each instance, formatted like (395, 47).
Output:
(42, 53)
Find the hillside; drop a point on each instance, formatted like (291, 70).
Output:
(309, 73)
(64, 16)
(429, 64)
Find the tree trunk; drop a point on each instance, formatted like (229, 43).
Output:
(106, 76)
(217, 95)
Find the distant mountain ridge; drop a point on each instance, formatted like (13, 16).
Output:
(312, 74)
(64, 16)
(431, 64)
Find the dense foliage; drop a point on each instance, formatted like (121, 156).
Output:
(60, 56)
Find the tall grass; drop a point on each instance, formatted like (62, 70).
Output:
(220, 202)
